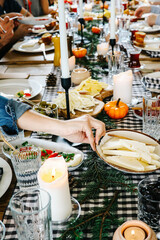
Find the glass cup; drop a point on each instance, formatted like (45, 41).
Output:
(151, 115)
(31, 211)
(124, 33)
(26, 164)
(134, 59)
(2, 230)
(149, 202)
(133, 31)
(115, 62)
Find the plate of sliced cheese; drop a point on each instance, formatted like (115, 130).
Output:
(130, 151)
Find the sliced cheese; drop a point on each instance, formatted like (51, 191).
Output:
(122, 153)
(126, 162)
(157, 163)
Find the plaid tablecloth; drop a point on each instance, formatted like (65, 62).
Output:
(127, 201)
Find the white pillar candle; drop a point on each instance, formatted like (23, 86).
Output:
(122, 86)
(88, 7)
(112, 23)
(102, 48)
(53, 177)
(63, 40)
(80, 8)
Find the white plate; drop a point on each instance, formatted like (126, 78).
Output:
(38, 29)
(130, 134)
(58, 147)
(35, 20)
(6, 177)
(10, 87)
(144, 27)
(31, 46)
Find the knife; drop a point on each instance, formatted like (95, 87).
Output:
(42, 47)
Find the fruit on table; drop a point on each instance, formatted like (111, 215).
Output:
(79, 52)
(116, 109)
(96, 30)
(88, 18)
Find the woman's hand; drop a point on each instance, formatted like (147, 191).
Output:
(80, 130)
(6, 31)
(141, 10)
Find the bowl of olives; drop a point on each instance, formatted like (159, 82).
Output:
(47, 108)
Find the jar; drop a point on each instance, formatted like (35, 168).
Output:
(79, 74)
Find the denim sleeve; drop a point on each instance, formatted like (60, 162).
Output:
(155, 9)
(10, 111)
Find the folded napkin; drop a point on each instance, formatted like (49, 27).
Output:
(151, 83)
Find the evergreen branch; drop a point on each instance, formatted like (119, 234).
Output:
(89, 218)
(107, 212)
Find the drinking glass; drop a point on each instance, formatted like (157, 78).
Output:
(26, 164)
(2, 230)
(124, 34)
(151, 115)
(134, 59)
(31, 211)
(133, 31)
(149, 202)
(115, 62)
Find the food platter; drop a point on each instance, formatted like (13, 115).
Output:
(144, 27)
(31, 46)
(10, 87)
(58, 147)
(6, 177)
(35, 20)
(96, 110)
(126, 134)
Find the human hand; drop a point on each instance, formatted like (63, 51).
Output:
(6, 31)
(143, 9)
(21, 31)
(80, 130)
(14, 14)
(151, 19)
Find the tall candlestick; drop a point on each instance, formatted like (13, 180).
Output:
(80, 8)
(63, 40)
(112, 23)
(53, 177)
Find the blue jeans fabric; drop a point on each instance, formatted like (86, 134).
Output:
(10, 111)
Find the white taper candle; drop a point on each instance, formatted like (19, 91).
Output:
(63, 40)
(80, 8)
(112, 23)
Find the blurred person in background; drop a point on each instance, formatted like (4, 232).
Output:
(153, 19)
(36, 7)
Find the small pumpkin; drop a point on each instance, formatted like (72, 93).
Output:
(89, 18)
(96, 30)
(116, 109)
(79, 52)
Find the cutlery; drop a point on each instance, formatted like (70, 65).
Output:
(42, 47)
(10, 145)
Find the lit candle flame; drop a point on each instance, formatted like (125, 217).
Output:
(53, 172)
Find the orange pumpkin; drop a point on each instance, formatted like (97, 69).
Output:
(89, 18)
(96, 30)
(79, 52)
(116, 109)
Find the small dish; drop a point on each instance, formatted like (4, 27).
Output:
(35, 20)
(130, 135)
(57, 147)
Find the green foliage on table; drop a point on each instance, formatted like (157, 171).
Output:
(98, 67)
(95, 180)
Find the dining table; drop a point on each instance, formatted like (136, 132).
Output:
(126, 200)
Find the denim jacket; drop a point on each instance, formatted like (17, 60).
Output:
(10, 111)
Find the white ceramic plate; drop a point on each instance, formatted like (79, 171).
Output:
(144, 27)
(130, 134)
(35, 20)
(31, 46)
(58, 147)
(6, 177)
(38, 29)
(10, 87)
